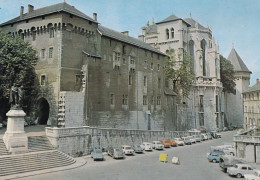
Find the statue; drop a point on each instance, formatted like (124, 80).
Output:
(16, 96)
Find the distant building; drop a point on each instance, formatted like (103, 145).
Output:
(234, 102)
(251, 98)
(204, 107)
(92, 75)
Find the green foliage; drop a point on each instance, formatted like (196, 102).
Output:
(17, 60)
(178, 70)
(227, 75)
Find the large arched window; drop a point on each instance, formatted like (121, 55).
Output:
(172, 32)
(191, 52)
(167, 34)
(203, 48)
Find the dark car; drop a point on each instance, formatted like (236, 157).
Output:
(116, 153)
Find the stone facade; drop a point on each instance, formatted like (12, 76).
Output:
(204, 107)
(251, 102)
(119, 86)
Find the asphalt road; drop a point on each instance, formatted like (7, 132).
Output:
(193, 165)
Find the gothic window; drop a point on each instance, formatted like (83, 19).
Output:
(167, 34)
(144, 100)
(125, 99)
(51, 32)
(172, 32)
(203, 48)
(50, 52)
(191, 51)
(158, 67)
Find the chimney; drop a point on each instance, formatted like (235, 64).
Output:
(125, 32)
(21, 11)
(141, 37)
(257, 81)
(30, 8)
(95, 16)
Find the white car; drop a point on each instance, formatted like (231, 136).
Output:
(146, 146)
(157, 145)
(179, 141)
(239, 170)
(197, 138)
(127, 150)
(192, 139)
(254, 176)
(204, 137)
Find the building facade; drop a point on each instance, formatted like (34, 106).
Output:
(92, 75)
(204, 107)
(234, 102)
(251, 99)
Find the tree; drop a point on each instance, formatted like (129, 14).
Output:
(227, 75)
(17, 60)
(178, 71)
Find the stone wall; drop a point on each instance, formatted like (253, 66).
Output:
(77, 141)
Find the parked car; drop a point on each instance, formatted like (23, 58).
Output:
(209, 136)
(127, 150)
(172, 142)
(137, 148)
(226, 161)
(204, 137)
(116, 153)
(254, 176)
(193, 140)
(214, 156)
(197, 138)
(219, 135)
(165, 143)
(146, 146)
(239, 170)
(157, 145)
(179, 141)
(97, 154)
(227, 149)
(186, 140)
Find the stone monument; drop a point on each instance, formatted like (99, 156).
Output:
(15, 138)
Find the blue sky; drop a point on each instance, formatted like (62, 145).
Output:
(231, 20)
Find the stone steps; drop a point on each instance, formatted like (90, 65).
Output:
(39, 143)
(3, 150)
(28, 162)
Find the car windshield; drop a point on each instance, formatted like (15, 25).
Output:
(117, 150)
(127, 147)
(137, 146)
(98, 151)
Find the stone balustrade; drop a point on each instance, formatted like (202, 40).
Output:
(247, 139)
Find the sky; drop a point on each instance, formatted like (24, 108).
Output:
(231, 20)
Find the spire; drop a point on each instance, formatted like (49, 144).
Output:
(153, 20)
(148, 23)
(190, 15)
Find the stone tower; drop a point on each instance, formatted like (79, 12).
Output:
(234, 102)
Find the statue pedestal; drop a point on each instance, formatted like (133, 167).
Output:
(15, 138)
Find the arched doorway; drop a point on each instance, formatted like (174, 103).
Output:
(43, 111)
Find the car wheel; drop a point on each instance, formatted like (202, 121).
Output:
(214, 160)
(239, 175)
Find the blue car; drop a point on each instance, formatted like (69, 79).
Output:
(214, 156)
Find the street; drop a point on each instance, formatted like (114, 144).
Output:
(193, 165)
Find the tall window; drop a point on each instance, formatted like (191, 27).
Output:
(191, 52)
(167, 34)
(158, 67)
(43, 80)
(145, 81)
(172, 32)
(125, 99)
(108, 77)
(130, 79)
(159, 83)
(43, 54)
(201, 108)
(151, 65)
(144, 100)
(51, 52)
(112, 99)
(203, 48)
(51, 33)
(217, 104)
(123, 49)
(158, 100)
(152, 100)
(33, 35)
(117, 56)
(132, 60)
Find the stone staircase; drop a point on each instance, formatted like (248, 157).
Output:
(41, 156)
(28, 162)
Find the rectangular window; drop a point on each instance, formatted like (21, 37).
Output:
(132, 60)
(158, 67)
(124, 61)
(151, 65)
(130, 80)
(34, 35)
(123, 49)
(112, 99)
(43, 54)
(145, 64)
(144, 100)
(43, 80)
(159, 83)
(51, 52)
(110, 43)
(158, 100)
(117, 56)
(145, 81)
(125, 99)
(51, 33)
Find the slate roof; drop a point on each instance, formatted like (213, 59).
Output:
(172, 18)
(151, 29)
(253, 88)
(60, 7)
(125, 38)
(192, 23)
(237, 62)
